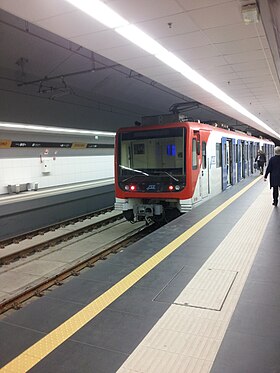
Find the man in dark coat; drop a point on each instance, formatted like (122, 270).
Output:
(273, 169)
(261, 160)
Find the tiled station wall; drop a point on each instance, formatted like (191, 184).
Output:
(65, 166)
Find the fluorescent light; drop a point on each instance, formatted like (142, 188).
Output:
(32, 127)
(100, 11)
(173, 61)
(141, 39)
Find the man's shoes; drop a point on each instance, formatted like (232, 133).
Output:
(275, 203)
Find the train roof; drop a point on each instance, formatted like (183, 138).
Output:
(194, 125)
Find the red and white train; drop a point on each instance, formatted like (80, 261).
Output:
(168, 168)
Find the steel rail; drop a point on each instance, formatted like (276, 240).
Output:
(53, 227)
(10, 257)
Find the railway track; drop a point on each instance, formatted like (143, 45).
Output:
(51, 228)
(28, 244)
(102, 238)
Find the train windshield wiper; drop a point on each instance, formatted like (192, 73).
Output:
(167, 173)
(173, 177)
(132, 169)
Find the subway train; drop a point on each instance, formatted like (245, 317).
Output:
(165, 169)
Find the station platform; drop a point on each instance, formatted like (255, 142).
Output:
(200, 294)
(7, 199)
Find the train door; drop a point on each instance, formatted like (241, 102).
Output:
(233, 163)
(204, 178)
(248, 158)
(251, 157)
(243, 159)
(270, 153)
(266, 150)
(255, 154)
(239, 158)
(224, 163)
(227, 162)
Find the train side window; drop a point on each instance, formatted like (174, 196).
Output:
(218, 155)
(204, 154)
(194, 154)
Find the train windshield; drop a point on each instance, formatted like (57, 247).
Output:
(152, 153)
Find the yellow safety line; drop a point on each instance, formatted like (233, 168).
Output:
(34, 354)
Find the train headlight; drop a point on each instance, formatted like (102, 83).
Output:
(132, 188)
(126, 187)
(171, 187)
(177, 187)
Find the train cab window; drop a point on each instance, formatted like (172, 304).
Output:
(149, 154)
(218, 155)
(204, 159)
(194, 154)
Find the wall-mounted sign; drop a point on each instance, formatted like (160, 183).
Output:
(78, 145)
(100, 146)
(37, 144)
(4, 144)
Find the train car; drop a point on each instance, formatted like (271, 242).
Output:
(166, 169)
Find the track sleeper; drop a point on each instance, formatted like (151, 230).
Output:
(75, 273)
(16, 306)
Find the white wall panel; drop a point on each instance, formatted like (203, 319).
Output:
(63, 170)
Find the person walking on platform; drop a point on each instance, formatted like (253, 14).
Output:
(261, 160)
(273, 169)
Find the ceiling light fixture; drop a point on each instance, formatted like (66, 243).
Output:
(74, 131)
(141, 39)
(102, 13)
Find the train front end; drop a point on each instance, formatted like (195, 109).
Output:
(150, 171)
